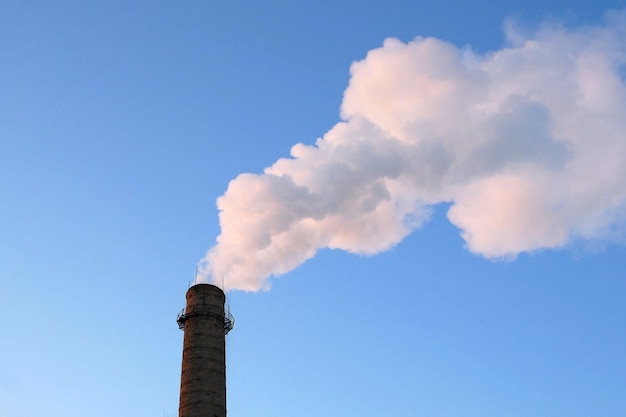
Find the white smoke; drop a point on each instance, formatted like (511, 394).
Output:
(527, 144)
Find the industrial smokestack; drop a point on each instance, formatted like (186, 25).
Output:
(203, 376)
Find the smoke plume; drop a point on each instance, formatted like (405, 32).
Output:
(526, 144)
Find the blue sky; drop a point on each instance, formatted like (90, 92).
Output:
(120, 126)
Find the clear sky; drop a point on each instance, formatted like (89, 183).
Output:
(122, 123)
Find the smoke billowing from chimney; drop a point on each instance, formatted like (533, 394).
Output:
(526, 144)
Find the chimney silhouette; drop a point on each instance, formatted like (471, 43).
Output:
(203, 376)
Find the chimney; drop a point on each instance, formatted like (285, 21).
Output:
(203, 376)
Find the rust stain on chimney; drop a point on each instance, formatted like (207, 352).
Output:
(203, 376)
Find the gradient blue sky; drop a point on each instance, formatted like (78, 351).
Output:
(120, 125)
